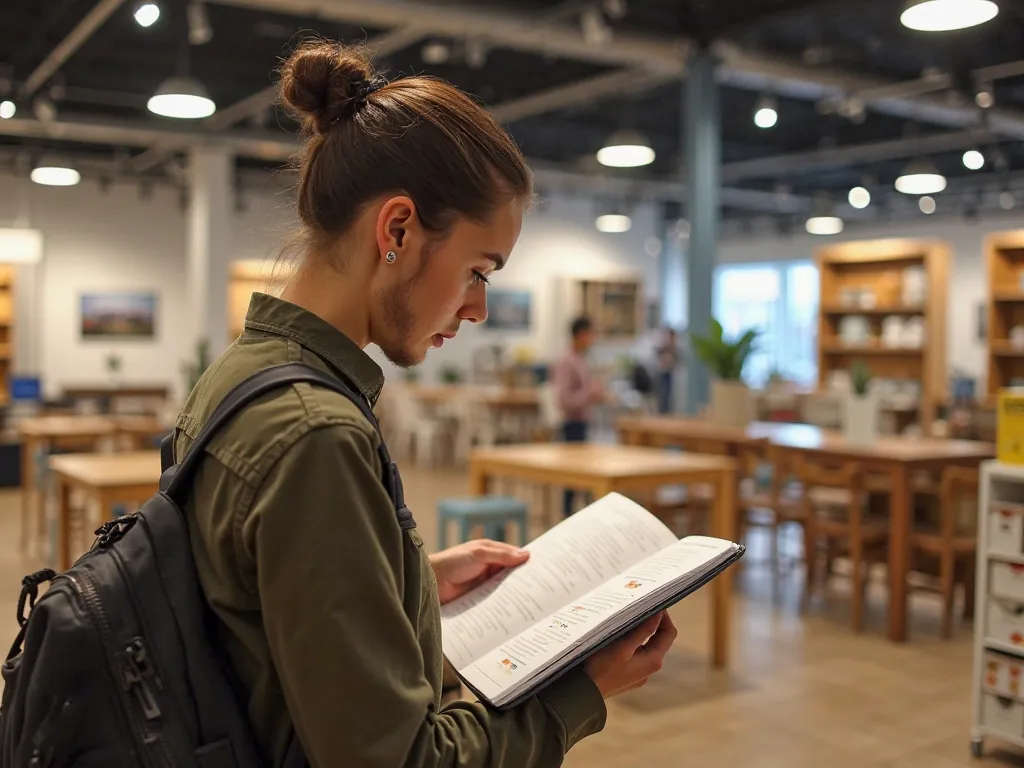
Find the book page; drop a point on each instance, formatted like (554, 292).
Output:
(566, 562)
(592, 616)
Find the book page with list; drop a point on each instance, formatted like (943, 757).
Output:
(566, 562)
(593, 617)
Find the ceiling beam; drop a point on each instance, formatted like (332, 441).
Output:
(854, 154)
(505, 30)
(630, 81)
(66, 47)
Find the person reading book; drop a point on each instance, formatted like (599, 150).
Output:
(325, 603)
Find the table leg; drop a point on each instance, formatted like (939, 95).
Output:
(721, 588)
(477, 480)
(63, 524)
(899, 530)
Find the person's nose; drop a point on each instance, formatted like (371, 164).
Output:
(475, 308)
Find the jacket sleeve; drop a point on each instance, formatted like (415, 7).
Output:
(329, 562)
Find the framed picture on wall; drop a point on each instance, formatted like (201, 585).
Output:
(125, 315)
(508, 310)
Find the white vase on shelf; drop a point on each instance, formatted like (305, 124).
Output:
(860, 418)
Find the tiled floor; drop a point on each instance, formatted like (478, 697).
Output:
(801, 691)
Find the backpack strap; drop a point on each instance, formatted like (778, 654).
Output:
(176, 477)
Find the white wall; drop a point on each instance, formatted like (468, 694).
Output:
(967, 285)
(116, 241)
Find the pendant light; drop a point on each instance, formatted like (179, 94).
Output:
(859, 197)
(920, 178)
(824, 225)
(613, 223)
(946, 15)
(7, 109)
(626, 149)
(182, 97)
(55, 174)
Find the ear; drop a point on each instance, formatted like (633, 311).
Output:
(396, 217)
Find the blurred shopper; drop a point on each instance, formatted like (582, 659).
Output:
(668, 362)
(578, 389)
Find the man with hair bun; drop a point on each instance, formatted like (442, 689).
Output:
(327, 608)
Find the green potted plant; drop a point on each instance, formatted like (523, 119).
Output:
(113, 362)
(731, 401)
(860, 407)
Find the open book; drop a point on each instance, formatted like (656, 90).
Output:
(589, 580)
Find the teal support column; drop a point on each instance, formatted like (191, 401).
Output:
(702, 142)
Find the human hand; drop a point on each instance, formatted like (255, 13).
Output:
(627, 663)
(459, 569)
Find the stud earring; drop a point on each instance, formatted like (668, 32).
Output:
(390, 257)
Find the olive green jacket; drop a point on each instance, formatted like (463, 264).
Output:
(328, 611)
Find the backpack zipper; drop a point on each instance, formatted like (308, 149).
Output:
(143, 738)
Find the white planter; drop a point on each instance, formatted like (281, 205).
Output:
(732, 404)
(860, 418)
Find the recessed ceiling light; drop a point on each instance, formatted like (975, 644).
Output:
(626, 149)
(973, 160)
(824, 225)
(859, 197)
(55, 176)
(7, 109)
(920, 178)
(613, 223)
(945, 15)
(182, 97)
(766, 114)
(146, 13)
(927, 205)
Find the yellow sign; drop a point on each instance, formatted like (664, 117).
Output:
(1010, 427)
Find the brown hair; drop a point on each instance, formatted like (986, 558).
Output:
(417, 136)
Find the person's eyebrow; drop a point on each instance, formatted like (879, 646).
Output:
(497, 258)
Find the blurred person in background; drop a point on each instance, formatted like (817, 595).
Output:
(668, 361)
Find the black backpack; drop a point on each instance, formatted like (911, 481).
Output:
(115, 666)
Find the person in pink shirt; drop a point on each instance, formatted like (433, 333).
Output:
(577, 389)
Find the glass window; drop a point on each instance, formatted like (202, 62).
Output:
(781, 300)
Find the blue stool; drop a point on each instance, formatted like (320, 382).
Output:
(492, 512)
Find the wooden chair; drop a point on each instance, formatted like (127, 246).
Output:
(835, 510)
(768, 502)
(952, 539)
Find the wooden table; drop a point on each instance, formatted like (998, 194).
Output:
(495, 397)
(107, 479)
(899, 458)
(892, 456)
(602, 469)
(78, 432)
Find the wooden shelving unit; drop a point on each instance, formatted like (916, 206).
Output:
(1004, 255)
(245, 278)
(868, 279)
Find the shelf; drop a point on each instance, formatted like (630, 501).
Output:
(886, 310)
(1008, 296)
(1005, 349)
(840, 349)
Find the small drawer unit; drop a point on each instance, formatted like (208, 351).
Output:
(1003, 675)
(1006, 529)
(1007, 580)
(1004, 622)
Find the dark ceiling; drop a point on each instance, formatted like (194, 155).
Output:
(110, 76)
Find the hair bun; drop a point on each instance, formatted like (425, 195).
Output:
(324, 82)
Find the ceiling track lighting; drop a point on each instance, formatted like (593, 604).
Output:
(626, 149)
(973, 160)
(7, 109)
(199, 30)
(986, 96)
(927, 205)
(947, 15)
